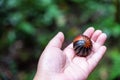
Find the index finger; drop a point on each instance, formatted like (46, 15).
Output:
(89, 32)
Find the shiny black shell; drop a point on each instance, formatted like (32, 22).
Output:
(82, 45)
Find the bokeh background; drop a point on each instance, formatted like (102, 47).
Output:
(26, 26)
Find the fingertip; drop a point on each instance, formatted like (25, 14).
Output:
(89, 31)
(104, 48)
(61, 35)
(57, 40)
(96, 35)
(101, 39)
(91, 28)
(105, 35)
(98, 31)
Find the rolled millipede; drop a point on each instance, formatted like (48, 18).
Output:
(82, 45)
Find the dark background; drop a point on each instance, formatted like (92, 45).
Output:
(26, 26)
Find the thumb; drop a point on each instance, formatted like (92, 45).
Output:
(57, 41)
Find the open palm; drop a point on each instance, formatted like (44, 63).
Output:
(57, 64)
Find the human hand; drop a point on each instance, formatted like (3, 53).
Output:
(57, 64)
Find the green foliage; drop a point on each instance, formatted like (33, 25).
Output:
(26, 26)
(11, 37)
(114, 71)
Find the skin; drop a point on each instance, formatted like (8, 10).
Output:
(57, 64)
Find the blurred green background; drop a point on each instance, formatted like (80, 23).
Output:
(26, 26)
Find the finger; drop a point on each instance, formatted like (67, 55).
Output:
(57, 41)
(101, 39)
(96, 35)
(95, 58)
(89, 32)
